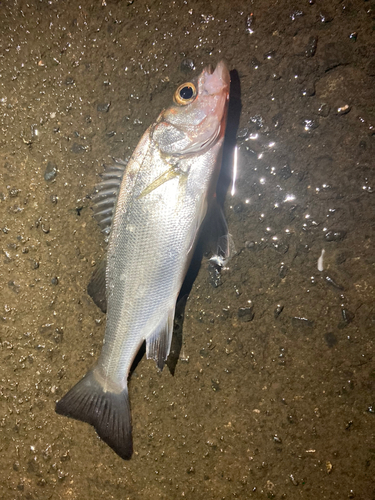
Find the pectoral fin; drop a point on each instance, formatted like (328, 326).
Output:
(219, 243)
(169, 174)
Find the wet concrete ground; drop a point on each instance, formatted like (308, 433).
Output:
(274, 392)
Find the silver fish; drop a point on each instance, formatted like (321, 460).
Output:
(159, 203)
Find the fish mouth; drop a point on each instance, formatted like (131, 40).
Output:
(217, 80)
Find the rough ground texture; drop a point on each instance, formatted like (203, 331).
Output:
(273, 395)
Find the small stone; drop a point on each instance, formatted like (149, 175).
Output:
(77, 148)
(257, 121)
(12, 285)
(69, 81)
(269, 54)
(302, 322)
(310, 48)
(187, 65)
(103, 107)
(249, 24)
(280, 247)
(214, 274)
(13, 193)
(283, 271)
(334, 54)
(251, 245)
(347, 318)
(295, 14)
(333, 283)
(278, 120)
(50, 171)
(370, 67)
(215, 384)
(330, 339)
(285, 172)
(343, 110)
(245, 314)
(238, 208)
(255, 63)
(309, 124)
(54, 281)
(329, 467)
(278, 310)
(242, 133)
(324, 110)
(324, 17)
(334, 235)
(308, 90)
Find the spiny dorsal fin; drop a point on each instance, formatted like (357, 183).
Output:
(105, 196)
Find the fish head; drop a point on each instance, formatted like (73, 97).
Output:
(197, 117)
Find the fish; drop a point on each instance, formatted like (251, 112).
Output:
(152, 210)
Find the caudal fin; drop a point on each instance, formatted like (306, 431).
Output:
(107, 411)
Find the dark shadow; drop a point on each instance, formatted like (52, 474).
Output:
(225, 177)
(233, 120)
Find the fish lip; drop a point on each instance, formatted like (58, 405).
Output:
(217, 80)
(222, 72)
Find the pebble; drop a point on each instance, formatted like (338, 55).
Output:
(311, 46)
(245, 314)
(187, 65)
(278, 120)
(333, 283)
(278, 310)
(324, 110)
(325, 17)
(302, 322)
(50, 171)
(330, 339)
(283, 271)
(255, 63)
(343, 110)
(370, 67)
(69, 81)
(77, 148)
(103, 107)
(334, 54)
(285, 172)
(238, 208)
(334, 235)
(214, 275)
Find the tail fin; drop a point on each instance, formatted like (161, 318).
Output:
(107, 411)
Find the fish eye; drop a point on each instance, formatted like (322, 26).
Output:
(185, 94)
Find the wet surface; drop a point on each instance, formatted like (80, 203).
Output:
(273, 395)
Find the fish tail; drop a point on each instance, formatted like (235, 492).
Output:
(108, 411)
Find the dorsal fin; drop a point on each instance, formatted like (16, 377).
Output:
(105, 196)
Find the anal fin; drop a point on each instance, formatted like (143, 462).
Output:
(158, 344)
(97, 285)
